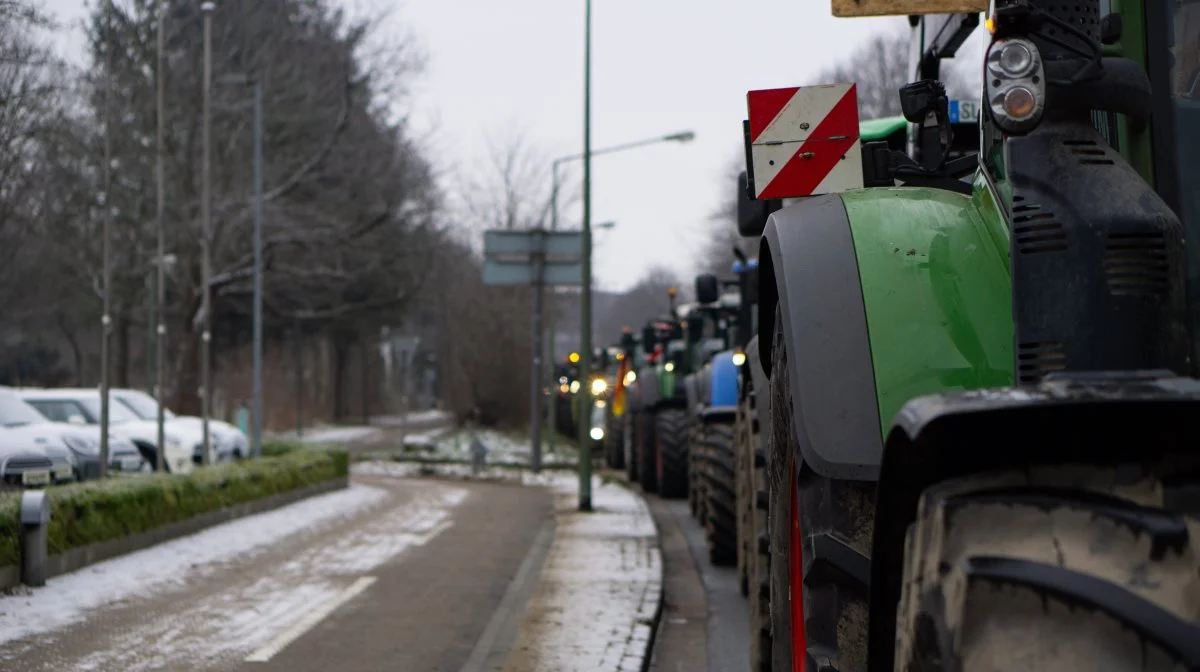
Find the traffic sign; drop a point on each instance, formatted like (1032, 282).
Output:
(507, 273)
(519, 257)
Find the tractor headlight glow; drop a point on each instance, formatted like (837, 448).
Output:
(597, 433)
(739, 358)
(630, 378)
(599, 385)
(600, 403)
(1016, 85)
(574, 387)
(670, 366)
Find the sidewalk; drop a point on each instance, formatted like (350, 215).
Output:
(599, 595)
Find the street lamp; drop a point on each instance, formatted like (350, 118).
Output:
(256, 395)
(206, 8)
(106, 244)
(160, 335)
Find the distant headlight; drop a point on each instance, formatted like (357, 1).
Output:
(599, 385)
(597, 433)
(630, 378)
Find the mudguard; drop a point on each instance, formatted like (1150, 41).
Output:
(722, 386)
(692, 387)
(647, 382)
(886, 294)
(1147, 423)
(758, 375)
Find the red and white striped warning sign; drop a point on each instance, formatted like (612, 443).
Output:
(804, 141)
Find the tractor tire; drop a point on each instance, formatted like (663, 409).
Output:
(629, 429)
(985, 550)
(744, 480)
(720, 495)
(758, 552)
(671, 449)
(614, 448)
(647, 469)
(819, 608)
(695, 467)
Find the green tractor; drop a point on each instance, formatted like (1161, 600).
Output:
(983, 427)
(661, 417)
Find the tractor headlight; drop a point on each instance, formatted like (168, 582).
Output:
(630, 378)
(670, 366)
(599, 385)
(597, 433)
(574, 387)
(739, 358)
(1016, 85)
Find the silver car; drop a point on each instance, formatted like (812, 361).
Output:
(21, 464)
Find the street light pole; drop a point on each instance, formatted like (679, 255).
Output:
(205, 216)
(585, 298)
(106, 317)
(256, 448)
(160, 340)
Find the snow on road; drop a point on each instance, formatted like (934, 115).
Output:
(337, 434)
(179, 607)
(68, 598)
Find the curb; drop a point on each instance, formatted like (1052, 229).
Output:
(78, 558)
(650, 612)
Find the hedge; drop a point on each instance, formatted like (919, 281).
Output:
(95, 511)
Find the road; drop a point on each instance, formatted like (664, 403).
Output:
(407, 575)
(704, 622)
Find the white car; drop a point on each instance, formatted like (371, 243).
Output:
(229, 442)
(23, 464)
(82, 407)
(81, 445)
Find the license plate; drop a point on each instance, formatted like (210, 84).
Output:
(40, 477)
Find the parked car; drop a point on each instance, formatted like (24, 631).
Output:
(82, 407)
(22, 463)
(83, 441)
(229, 442)
(28, 431)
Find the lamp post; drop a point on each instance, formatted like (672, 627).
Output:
(256, 394)
(106, 244)
(206, 8)
(682, 136)
(160, 336)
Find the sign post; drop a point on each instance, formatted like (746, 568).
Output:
(535, 257)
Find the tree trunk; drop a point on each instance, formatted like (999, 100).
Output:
(121, 351)
(341, 352)
(366, 378)
(186, 400)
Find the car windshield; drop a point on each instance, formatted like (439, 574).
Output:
(117, 413)
(142, 405)
(15, 412)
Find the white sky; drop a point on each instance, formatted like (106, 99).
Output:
(658, 66)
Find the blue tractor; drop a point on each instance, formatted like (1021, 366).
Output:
(718, 331)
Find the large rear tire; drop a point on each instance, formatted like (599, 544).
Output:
(819, 602)
(758, 552)
(745, 486)
(630, 429)
(614, 448)
(1043, 570)
(720, 495)
(647, 470)
(670, 435)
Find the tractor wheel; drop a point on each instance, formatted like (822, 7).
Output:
(818, 600)
(670, 434)
(695, 456)
(614, 450)
(630, 430)
(647, 469)
(743, 479)
(1059, 568)
(720, 495)
(758, 552)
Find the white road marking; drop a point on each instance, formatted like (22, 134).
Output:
(428, 536)
(305, 624)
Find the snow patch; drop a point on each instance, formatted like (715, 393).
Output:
(68, 599)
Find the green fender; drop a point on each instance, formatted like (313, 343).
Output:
(886, 294)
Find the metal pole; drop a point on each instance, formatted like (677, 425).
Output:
(257, 418)
(160, 151)
(552, 411)
(106, 318)
(535, 383)
(151, 338)
(205, 217)
(299, 354)
(585, 303)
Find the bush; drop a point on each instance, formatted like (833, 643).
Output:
(95, 511)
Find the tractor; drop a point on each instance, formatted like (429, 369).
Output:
(983, 421)
(660, 445)
(718, 329)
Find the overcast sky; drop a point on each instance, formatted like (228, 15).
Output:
(496, 68)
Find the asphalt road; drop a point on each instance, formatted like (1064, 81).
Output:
(703, 607)
(433, 577)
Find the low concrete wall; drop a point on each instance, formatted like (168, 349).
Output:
(78, 558)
